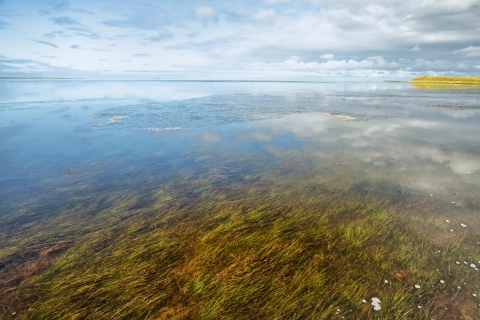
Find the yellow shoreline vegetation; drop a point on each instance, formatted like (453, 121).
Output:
(446, 79)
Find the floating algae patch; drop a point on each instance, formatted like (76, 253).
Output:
(116, 119)
(343, 117)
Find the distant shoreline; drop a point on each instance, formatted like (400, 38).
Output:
(446, 80)
(23, 78)
(172, 80)
(443, 82)
(422, 79)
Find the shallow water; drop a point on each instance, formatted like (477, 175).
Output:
(65, 131)
(65, 144)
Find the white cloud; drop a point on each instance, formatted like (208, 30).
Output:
(263, 15)
(435, 64)
(416, 48)
(294, 64)
(294, 58)
(205, 13)
(471, 51)
(449, 5)
(259, 16)
(251, 32)
(328, 56)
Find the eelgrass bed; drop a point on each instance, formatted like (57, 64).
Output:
(318, 242)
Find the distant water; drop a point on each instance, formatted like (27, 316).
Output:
(91, 129)
(159, 106)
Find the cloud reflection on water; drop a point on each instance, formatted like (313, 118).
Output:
(436, 147)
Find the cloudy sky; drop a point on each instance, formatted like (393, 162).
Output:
(263, 39)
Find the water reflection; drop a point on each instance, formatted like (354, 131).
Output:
(444, 86)
(433, 135)
(40, 139)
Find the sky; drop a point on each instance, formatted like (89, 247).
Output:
(251, 40)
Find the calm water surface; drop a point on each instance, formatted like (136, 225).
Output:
(67, 132)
